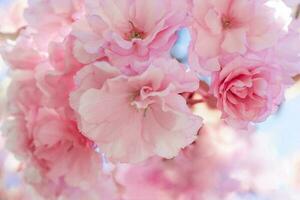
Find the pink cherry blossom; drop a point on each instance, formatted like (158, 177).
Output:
(24, 54)
(59, 149)
(124, 33)
(48, 140)
(55, 150)
(59, 69)
(22, 103)
(61, 56)
(232, 26)
(248, 90)
(133, 118)
(51, 19)
(286, 51)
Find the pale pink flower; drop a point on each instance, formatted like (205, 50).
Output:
(24, 54)
(133, 118)
(52, 19)
(60, 69)
(51, 143)
(91, 76)
(128, 31)
(248, 89)
(61, 56)
(286, 51)
(48, 140)
(232, 26)
(22, 102)
(61, 150)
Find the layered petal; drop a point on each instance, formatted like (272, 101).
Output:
(152, 117)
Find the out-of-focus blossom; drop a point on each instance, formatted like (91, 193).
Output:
(51, 20)
(219, 165)
(286, 52)
(12, 187)
(60, 68)
(233, 26)
(152, 117)
(289, 60)
(24, 54)
(11, 15)
(56, 156)
(128, 32)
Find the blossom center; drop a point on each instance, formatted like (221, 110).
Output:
(135, 33)
(142, 99)
(226, 22)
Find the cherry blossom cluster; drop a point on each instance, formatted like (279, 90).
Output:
(94, 84)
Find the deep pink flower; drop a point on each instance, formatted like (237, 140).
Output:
(248, 90)
(133, 118)
(128, 31)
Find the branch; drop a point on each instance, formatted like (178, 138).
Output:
(297, 78)
(11, 36)
(297, 14)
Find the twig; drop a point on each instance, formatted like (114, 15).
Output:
(11, 36)
(297, 14)
(297, 77)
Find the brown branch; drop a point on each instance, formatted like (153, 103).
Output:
(11, 36)
(297, 78)
(297, 14)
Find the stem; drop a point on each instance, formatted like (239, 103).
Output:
(11, 36)
(297, 12)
